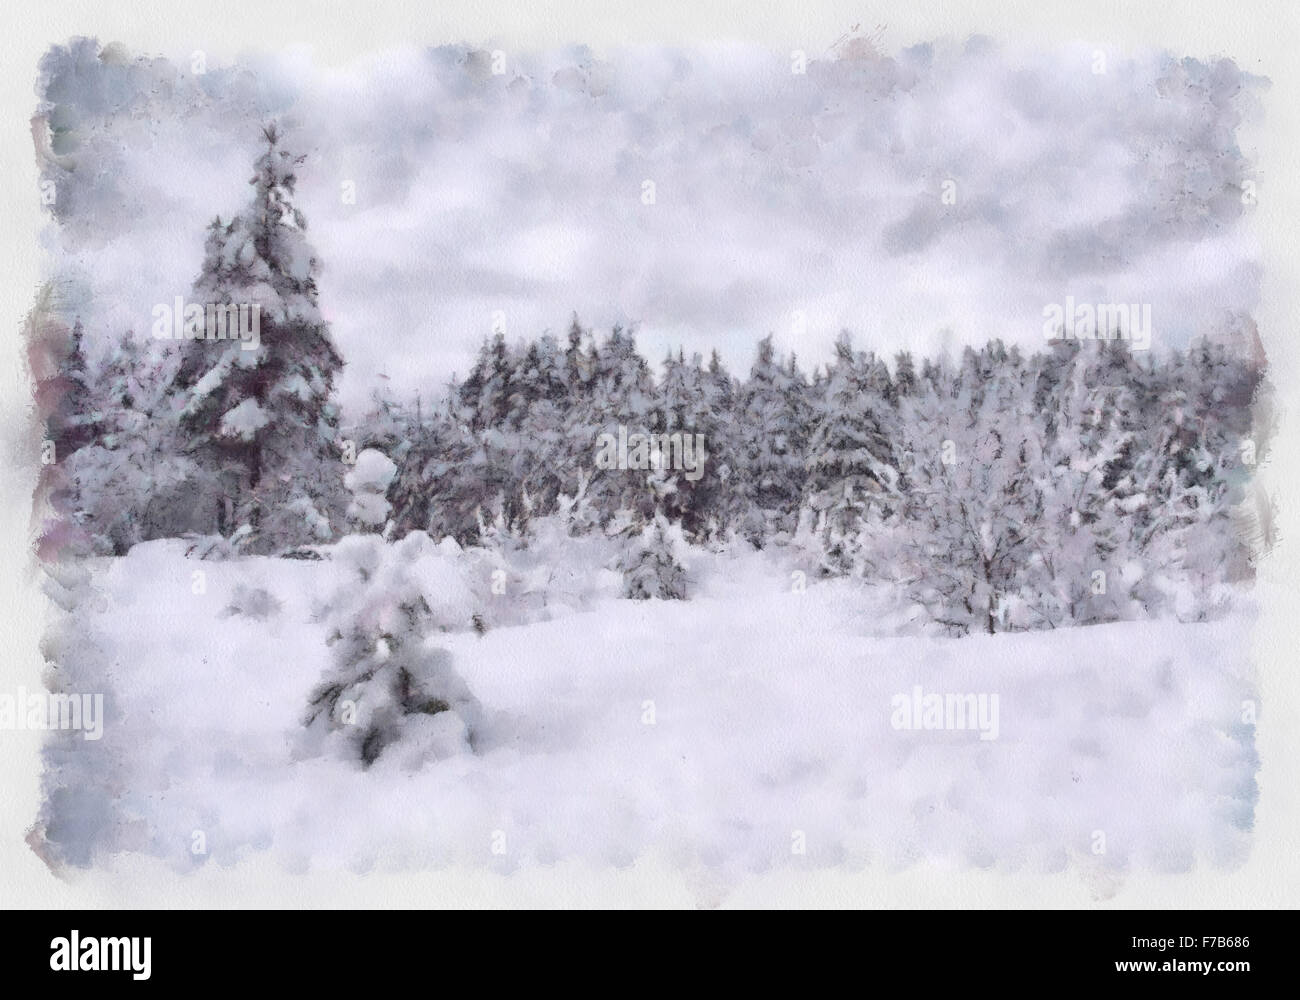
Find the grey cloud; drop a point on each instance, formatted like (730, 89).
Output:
(771, 188)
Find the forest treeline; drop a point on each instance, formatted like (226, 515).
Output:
(999, 489)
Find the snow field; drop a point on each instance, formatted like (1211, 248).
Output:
(746, 729)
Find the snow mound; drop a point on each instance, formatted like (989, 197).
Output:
(372, 473)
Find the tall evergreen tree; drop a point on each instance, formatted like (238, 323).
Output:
(773, 413)
(73, 420)
(850, 461)
(262, 423)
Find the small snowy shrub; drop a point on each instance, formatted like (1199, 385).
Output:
(542, 573)
(252, 602)
(386, 688)
(218, 548)
(652, 566)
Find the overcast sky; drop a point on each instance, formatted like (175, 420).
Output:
(775, 192)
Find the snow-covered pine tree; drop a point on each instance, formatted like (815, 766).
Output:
(494, 400)
(386, 690)
(130, 483)
(262, 423)
(685, 405)
(652, 565)
(851, 466)
(73, 420)
(540, 465)
(445, 476)
(717, 498)
(621, 394)
(577, 370)
(905, 378)
(409, 492)
(773, 416)
(539, 375)
(388, 424)
(488, 388)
